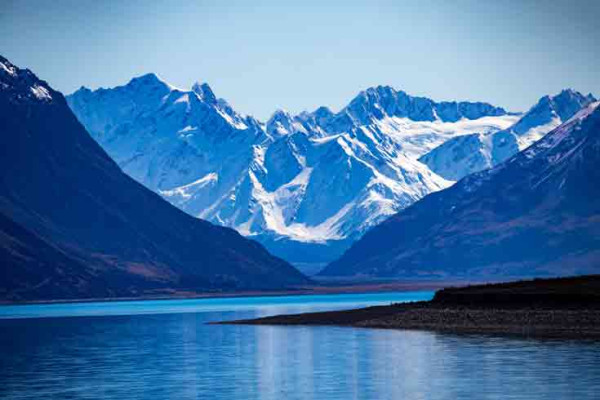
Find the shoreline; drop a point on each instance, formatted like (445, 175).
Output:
(553, 308)
(524, 322)
(329, 289)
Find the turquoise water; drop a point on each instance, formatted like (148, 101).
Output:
(165, 350)
(261, 304)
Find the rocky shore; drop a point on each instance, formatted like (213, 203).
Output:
(561, 308)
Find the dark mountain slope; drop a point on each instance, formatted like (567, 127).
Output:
(31, 265)
(536, 214)
(58, 184)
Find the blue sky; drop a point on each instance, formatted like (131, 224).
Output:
(298, 55)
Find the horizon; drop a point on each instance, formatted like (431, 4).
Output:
(298, 57)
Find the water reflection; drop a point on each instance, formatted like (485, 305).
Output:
(179, 356)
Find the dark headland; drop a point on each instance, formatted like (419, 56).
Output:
(561, 307)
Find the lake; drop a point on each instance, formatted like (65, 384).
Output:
(165, 350)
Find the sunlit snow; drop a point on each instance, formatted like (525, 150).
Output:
(312, 178)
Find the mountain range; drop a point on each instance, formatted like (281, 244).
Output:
(466, 154)
(536, 214)
(306, 186)
(399, 186)
(73, 225)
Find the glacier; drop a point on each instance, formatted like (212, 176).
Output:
(465, 155)
(306, 185)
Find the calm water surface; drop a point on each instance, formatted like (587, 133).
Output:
(165, 350)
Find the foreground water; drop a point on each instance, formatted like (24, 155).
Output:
(165, 350)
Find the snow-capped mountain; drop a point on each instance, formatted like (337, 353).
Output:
(307, 185)
(464, 155)
(535, 214)
(73, 225)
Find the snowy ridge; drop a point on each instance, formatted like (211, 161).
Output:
(536, 214)
(21, 85)
(462, 156)
(319, 177)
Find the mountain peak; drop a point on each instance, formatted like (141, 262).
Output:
(381, 89)
(280, 123)
(20, 85)
(323, 111)
(6, 67)
(568, 102)
(323, 115)
(377, 102)
(205, 92)
(146, 80)
(568, 91)
(279, 114)
(567, 95)
(558, 108)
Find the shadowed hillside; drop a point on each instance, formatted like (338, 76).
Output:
(75, 226)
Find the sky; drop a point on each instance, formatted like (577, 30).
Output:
(298, 55)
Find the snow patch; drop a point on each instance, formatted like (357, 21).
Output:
(12, 71)
(41, 92)
(187, 191)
